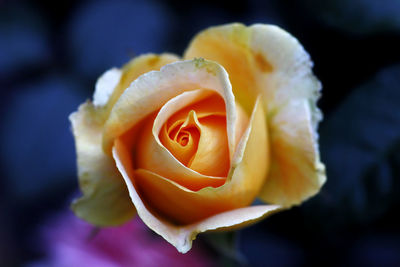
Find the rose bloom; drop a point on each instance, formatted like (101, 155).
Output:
(189, 143)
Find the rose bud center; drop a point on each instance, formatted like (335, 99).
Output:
(196, 136)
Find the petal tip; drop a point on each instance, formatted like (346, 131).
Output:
(105, 86)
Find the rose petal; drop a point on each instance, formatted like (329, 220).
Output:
(105, 199)
(212, 104)
(113, 82)
(228, 45)
(212, 156)
(182, 141)
(246, 179)
(155, 157)
(296, 171)
(105, 86)
(136, 67)
(152, 90)
(248, 174)
(264, 59)
(176, 110)
(184, 123)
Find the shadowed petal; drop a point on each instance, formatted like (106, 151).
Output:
(105, 199)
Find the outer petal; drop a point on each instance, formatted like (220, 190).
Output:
(264, 59)
(251, 164)
(105, 199)
(113, 82)
(136, 67)
(105, 86)
(152, 90)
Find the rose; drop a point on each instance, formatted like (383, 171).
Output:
(194, 146)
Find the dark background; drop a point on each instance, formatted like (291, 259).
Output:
(52, 52)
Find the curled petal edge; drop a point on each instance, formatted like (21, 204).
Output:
(182, 236)
(152, 90)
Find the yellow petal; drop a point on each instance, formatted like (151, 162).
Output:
(266, 60)
(138, 66)
(181, 139)
(208, 153)
(153, 155)
(105, 199)
(161, 202)
(151, 91)
(228, 45)
(114, 82)
(296, 171)
(212, 155)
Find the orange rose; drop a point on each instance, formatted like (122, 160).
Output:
(194, 147)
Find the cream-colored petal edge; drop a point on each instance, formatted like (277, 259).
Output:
(114, 82)
(182, 236)
(105, 199)
(292, 78)
(105, 86)
(136, 67)
(290, 92)
(152, 90)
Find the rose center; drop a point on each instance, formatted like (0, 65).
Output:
(184, 135)
(196, 136)
(181, 138)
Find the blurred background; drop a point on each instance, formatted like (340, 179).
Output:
(51, 53)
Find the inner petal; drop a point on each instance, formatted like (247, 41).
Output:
(151, 154)
(182, 138)
(196, 135)
(212, 156)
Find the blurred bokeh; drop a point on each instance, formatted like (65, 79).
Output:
(51, 53)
